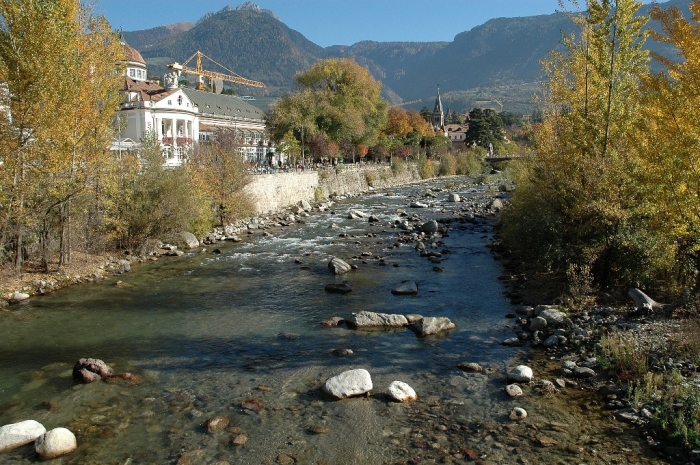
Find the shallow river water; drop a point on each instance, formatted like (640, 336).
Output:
(238, 335)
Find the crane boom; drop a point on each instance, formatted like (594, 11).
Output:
(199, 71)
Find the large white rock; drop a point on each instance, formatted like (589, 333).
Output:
(338, 266)
(189, 239)
(453, 198)
(401, 392)
(377, 320)
(19, 434)
(553, 316)
(432, 325)
(54, 443)
(348, 384)
(407, 287)
(521, 374)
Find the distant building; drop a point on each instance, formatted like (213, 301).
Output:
(438, 118)
(457, 132)
(182, 117)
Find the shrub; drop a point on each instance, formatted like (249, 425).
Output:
(371, 178)
(426, 169)
(448, 165)
(619, 355)
(397, 166)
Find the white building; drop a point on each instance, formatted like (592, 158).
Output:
(182, 117)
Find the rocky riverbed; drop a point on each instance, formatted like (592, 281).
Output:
(226, 396)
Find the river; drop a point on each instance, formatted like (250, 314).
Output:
(238, 335)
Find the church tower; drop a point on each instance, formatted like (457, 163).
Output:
(438, 114)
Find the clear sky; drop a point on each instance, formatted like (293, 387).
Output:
(339, 22)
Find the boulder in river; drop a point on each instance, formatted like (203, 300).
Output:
(429, 227)
(453, 198)
(188, 239)
(348, 384)
(521, 374)
(89, 370)
(338, 288)
(513, 390)
(377, 320)
(518, 414)
(55, 443)
(401, 392)
(419, 205)
(432, 325)
(407, 287)
(15, 435)
(338, 266)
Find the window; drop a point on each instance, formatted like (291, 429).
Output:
(132, 72)
(179, 100)
(170, 102)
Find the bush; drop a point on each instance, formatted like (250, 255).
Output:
(448, 165)
(468, 163)
(426, 169)
(619, 356)
(397, 166)
(371, 178)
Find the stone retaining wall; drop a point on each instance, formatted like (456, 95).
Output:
(273, 192)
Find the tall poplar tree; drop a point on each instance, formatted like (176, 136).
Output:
(580, 203)
(57, 63)
(671, 141)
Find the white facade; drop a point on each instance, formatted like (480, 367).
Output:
(182, 117)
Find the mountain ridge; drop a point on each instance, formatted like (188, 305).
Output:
(497, 61)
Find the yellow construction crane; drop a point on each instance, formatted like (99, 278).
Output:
(202, 73)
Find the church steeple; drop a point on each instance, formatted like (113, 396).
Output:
(438, 114)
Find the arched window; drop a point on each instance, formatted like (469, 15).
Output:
(179, 100)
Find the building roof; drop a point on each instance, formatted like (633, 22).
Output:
(132, 55)
(149, 91)
(220, 105)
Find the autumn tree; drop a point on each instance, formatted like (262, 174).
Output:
(219, 170)
(580, 204)
(57, 66)
(671, 142)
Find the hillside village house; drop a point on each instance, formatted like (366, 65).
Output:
(182, 116)
(455, 132)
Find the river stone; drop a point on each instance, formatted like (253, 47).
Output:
(551, 341)
(553, 316)
(335, 321)
(497, 205)
(537, 323)
(18, 434)
(338, 288)
(377, 320)
(305, 205)
(86, 368)
(513, 390)
(583, 372)
(471, 367)
(407, 287)
(217, 423)
(433, 325)
(189, 239)
(419, 205)
(413, 317)
(19, 296)
(348, 384)
(354, 214)
(401, 392)
(521, 374)
(518, 414)
(429, 227)
(338, 266)
(54, 443)
(453, 198)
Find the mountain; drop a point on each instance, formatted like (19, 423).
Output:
(251, 42)
(141, 40)
(496, 64)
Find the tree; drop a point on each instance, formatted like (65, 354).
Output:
(485, 128)
(338, 98)
(219, 169)
(671, 142)
(580, 204)
(57, 66)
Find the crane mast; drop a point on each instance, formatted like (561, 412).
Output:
(202, 73)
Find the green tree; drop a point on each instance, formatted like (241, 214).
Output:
(580, 202)
(485, 128)
(338, 98)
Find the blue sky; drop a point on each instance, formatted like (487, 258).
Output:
(339, 22)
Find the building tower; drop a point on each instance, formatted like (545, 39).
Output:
(438, 114)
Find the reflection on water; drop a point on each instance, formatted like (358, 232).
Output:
(209, 332)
